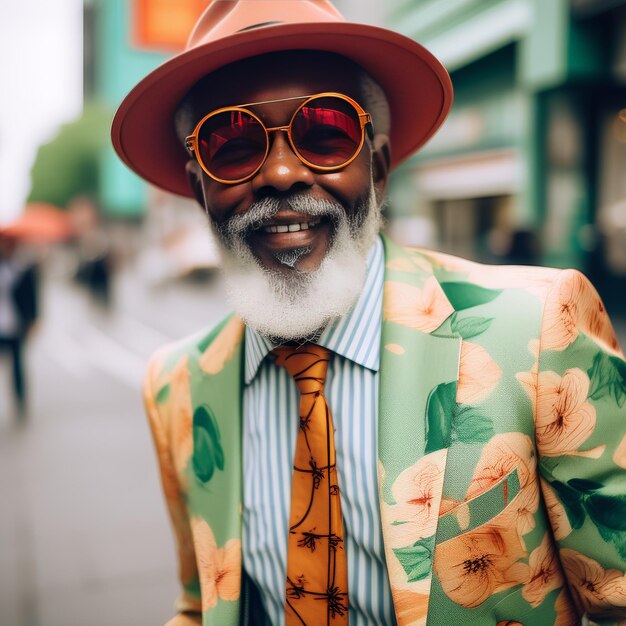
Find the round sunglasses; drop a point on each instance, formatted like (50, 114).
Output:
(326, 132)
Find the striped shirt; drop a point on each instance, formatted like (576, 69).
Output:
(270, 423)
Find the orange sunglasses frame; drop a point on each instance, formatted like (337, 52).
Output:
(365, 119)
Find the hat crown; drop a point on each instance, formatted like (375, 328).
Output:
(223, 18)
(417, 86)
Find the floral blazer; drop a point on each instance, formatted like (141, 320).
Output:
(501, 450)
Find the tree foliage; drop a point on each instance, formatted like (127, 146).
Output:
(69, 164)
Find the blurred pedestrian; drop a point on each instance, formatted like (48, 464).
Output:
(93, 249)
(18, 312)
(94, 268)
(380, 434)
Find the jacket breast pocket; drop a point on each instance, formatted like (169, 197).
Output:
(477, 511)
(479, 552)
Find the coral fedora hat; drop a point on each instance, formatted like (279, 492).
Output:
(416, 84)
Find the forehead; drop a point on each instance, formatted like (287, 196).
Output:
(275, 76)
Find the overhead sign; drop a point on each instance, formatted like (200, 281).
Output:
(164, 24)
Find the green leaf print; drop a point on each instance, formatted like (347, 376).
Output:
(163, 394)
(616, 537)
(440, 410)
(207, 447)
(572, 502)
(416, 560)
(584, 485)
(471, 426)
(447, 421)
(607, 375)
(608, 513)
(465, 296)
(470, 326)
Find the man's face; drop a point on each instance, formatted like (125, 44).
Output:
(282, 175)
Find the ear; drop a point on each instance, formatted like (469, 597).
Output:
(381, 161)
(194, 176)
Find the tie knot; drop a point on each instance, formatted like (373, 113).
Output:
(307, 364)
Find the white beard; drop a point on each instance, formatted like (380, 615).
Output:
(294, 304)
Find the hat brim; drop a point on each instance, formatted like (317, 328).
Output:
(417, 86)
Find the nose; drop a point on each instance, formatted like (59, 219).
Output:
(282, 169)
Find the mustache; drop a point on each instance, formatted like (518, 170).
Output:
(264, 209)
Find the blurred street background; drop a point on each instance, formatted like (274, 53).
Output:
(529, 168)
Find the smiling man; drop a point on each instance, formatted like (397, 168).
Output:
(298, 225)
(378, 435)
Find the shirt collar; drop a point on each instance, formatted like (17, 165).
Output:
(355, 336)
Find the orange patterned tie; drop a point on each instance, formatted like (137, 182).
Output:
(317, 576)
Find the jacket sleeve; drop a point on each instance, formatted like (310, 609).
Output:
(580, 415)
(188, 603)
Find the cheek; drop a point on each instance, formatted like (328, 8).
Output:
(350, 185)
(224, 201)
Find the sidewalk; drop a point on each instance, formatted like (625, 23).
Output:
(84, 534)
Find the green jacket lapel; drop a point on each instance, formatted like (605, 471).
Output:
(418, 380)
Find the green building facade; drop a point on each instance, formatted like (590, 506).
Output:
(529, 165)
(116, 65)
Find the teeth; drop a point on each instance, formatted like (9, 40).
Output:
(289, 228)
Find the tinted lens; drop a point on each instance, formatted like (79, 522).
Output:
(232, 144)
(327, 131)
